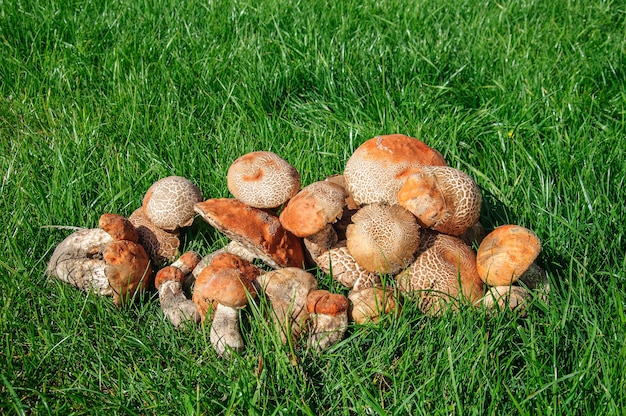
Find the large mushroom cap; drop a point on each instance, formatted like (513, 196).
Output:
(169, 202)
(506, 253)
(442, 198)
(229, 287)
(444, 269)
(375, 171)
(262, 179)
(383, 238)
(260, 232)
(127, 268)
(314, 207)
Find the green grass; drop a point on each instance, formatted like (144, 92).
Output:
(100, 99)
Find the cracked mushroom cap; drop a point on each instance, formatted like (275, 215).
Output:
(383, 238)
(213, 264)
(506, 253)
(370, 303)
(169, 202)
(313, 208)
(339, 263)
(262, 179)
(161, 246)
(444, 269)
(259, 231)
(376, 170)
(442, 198)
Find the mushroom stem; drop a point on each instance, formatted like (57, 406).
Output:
(225, 333)
(175, 305)
(327, 330)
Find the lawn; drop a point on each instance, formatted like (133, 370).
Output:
(99, 99)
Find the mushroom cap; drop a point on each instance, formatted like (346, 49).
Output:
(169, 202)
(228, 287)
(259, 231)
(167, 274)
(326, 303)
(442, 198)
(502, 297)
(214, 263)
(339, 263)
(313, 208)
(506, 253)
(383, 238)
(161, 246)
(119, 227)
(127, 268)
(444, 268)
(376, 170)
(370, 303)
(262, 179)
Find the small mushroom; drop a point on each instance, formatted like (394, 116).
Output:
(506, 253)
(329, 318)
(228, 289)
(339, 263)
(443, 271)
(258, 231)
(442, 198)
(208, 267)
(383, 238)
(169, 202)
(310, 213)
(376, 170)
(162, 246)
(503, 297)
(169, 282)
(370, 303)
(262, 180)
(93, 260)
(287, 290)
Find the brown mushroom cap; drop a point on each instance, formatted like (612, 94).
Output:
(161, 246)
(442, 198)
(259, 231)
(506, 253)
(262, 179)
(370, 303)
(444, 268)
(127, 268)
(313, 208)
(229, 287)
(187, 262)
(376, 170)
(326, 303)
(168, 273)
(169, 202)
(383, 238)
(119, 227)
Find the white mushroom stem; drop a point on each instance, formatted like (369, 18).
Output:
(225, 332)
(175, 305)
(327, 330)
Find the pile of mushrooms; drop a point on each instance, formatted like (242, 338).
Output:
(398, 225)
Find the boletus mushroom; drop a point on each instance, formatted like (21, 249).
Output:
(169, 202)
(329, 318)
(370, 303)
(506, 253)
(262, 179)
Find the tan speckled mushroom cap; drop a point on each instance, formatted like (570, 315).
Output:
(383, 238)
(506, 253)
(339, 263)
(169, 202)
(442, 198)
(444, 268)
(262, 180)
(376, 170)
(259, 231)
